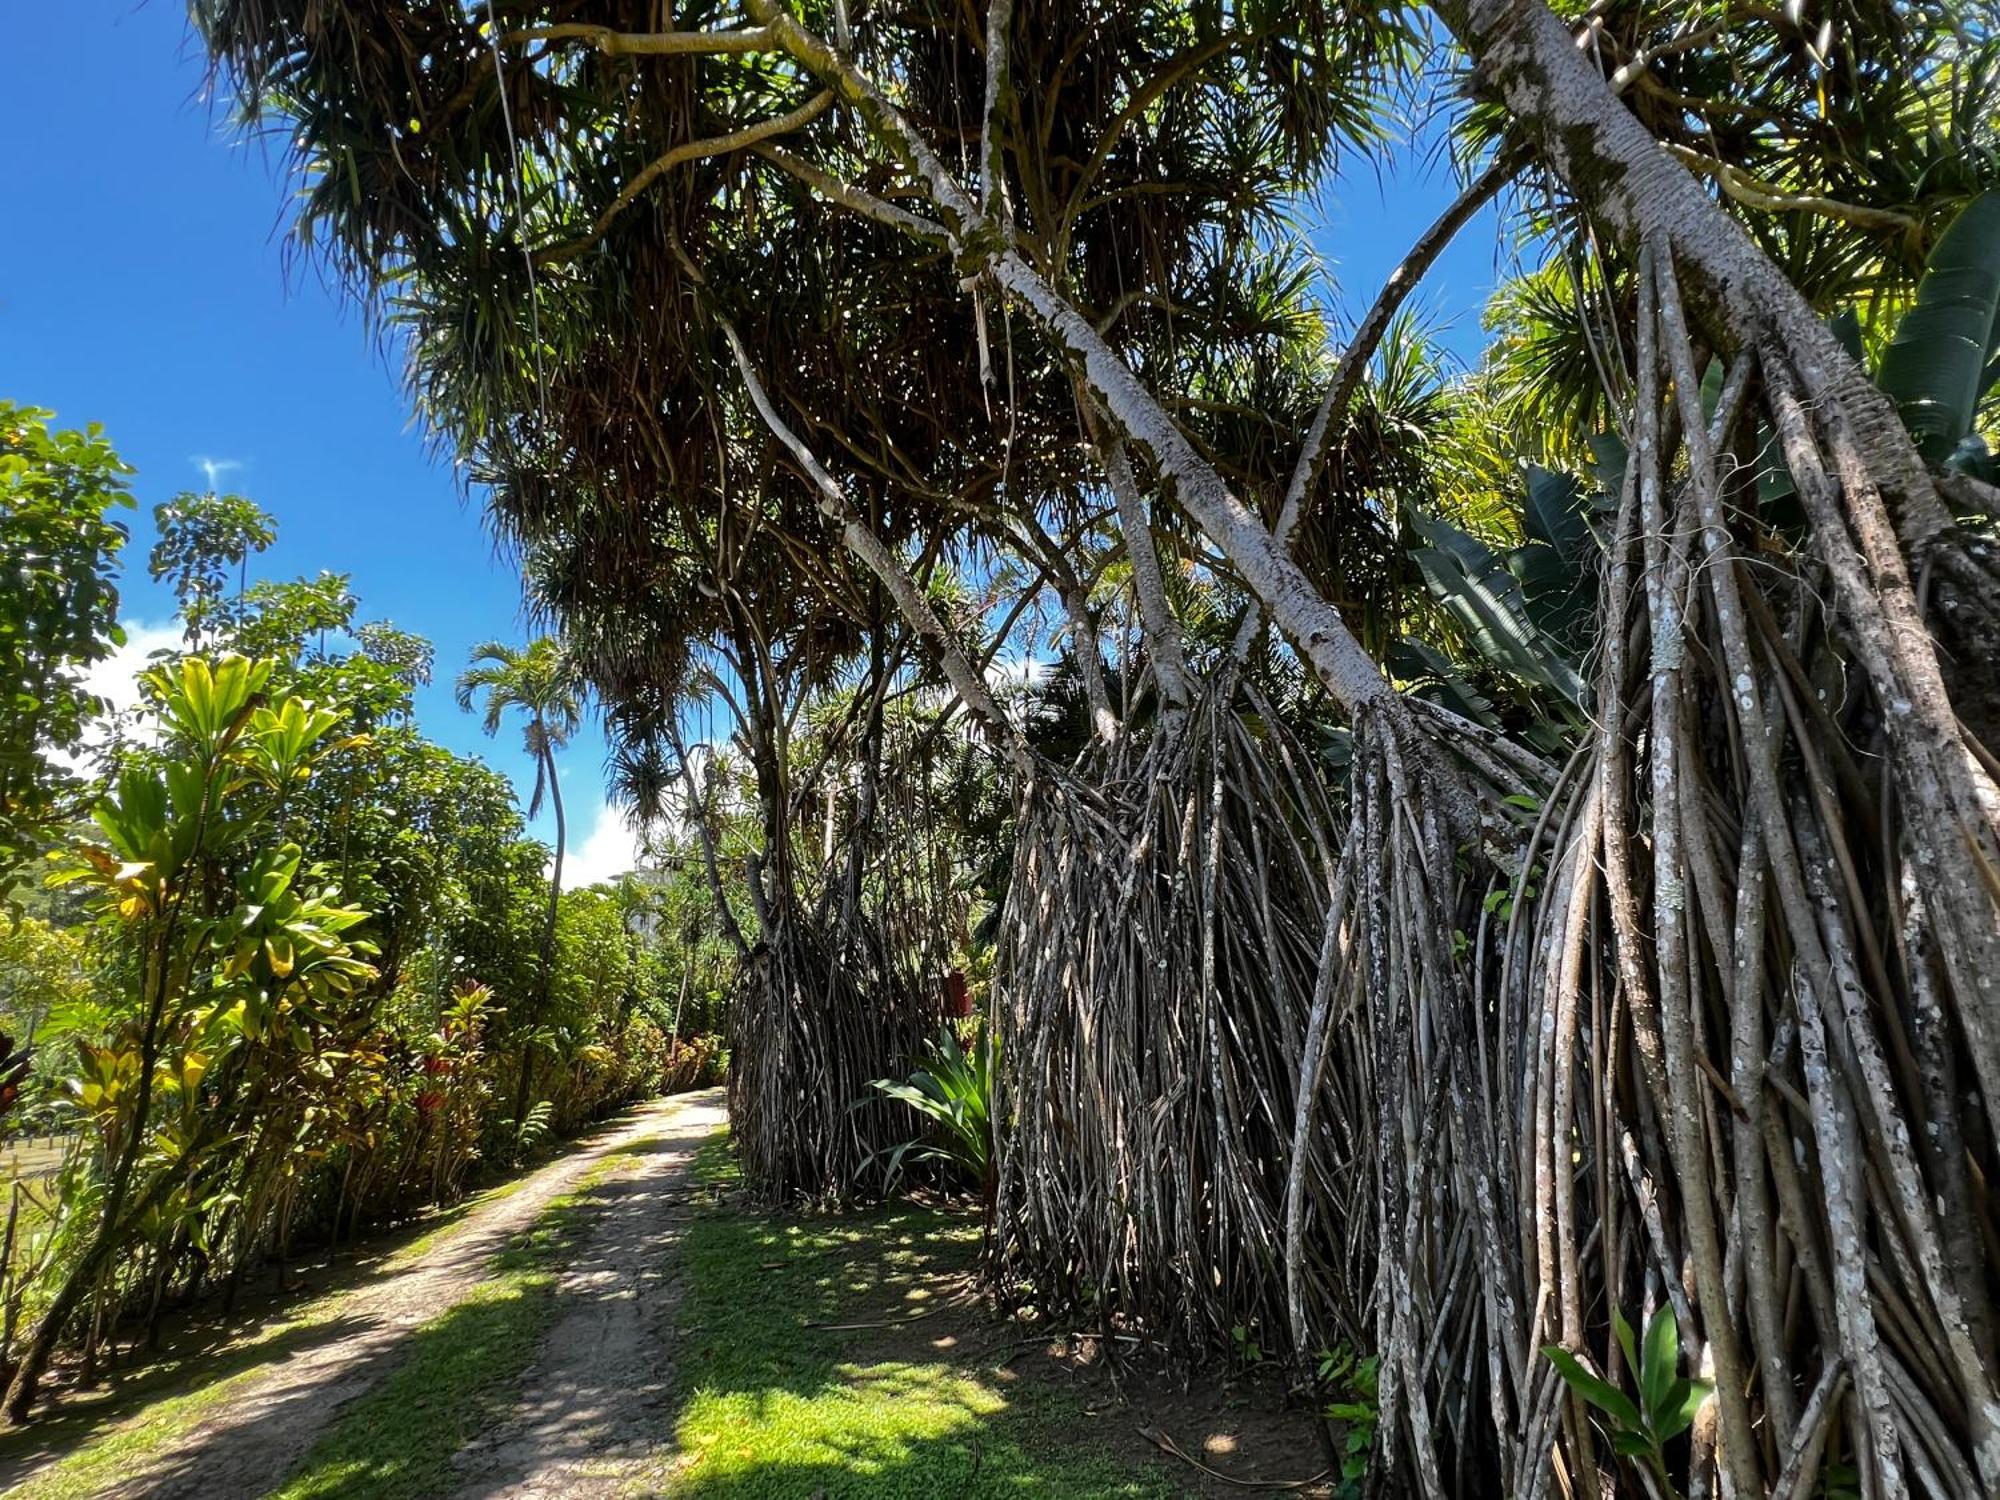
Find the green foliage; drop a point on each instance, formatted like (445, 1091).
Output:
(1481, 592)
(46, 973)
(694, 1062)
(58, 610)
(285, 946)
(1941, 361)
(202, 540)
(954, 1092)
(1667, 1401)
(1519, 615)
(1354, 1383)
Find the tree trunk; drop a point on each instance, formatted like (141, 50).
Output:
(868, 547)
(114, 1224)
(555, 873)
(698, 801)
(1161, 632)
(1298, 608)
(524, 1087)
(1529, 62)
(1563, 105)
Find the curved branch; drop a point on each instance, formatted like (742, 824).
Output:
(1768, 197)
(608, 39)
(850, 197)
(1337, 658)
(864, 544)
(687, 151)
(1361, 348)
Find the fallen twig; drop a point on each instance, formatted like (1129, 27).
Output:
(1166, 1444)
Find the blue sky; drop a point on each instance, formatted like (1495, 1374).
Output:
(143, 287)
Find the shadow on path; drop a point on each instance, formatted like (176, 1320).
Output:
(597, 1392)
(247, 1447)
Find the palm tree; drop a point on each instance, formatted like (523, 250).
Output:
(540, 681)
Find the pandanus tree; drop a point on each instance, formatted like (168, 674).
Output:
(539, 682)
(1777, 815)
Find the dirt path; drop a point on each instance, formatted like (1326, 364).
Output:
(602, 1362)
(595, 1395)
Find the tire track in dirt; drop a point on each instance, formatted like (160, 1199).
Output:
(594, 1400)
(253, 1445)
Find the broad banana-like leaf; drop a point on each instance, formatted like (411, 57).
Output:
(1434, 677)
(1555, 514)
(1935, 369)
(1608, 455)
(1473, 583)
(1557, 564)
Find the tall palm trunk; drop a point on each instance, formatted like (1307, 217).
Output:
(548, 760)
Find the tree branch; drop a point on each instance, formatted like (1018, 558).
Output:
(1162, 633)
(1768, 197)
(617, 43)
(687, 151)
(1336, 656)
(864, 544)
(992, 170)
(849, 197)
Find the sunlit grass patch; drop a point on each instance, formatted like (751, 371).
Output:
(885, 1402)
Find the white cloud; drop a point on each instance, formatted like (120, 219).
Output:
(214, 468)
(1016, 672)
(610, 849)
(116, 678)
(115, 681)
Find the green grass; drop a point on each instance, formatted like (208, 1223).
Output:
(475, 1348)
(460, 1375)
(106, 1455)
(443, 1221)
(773, 1407)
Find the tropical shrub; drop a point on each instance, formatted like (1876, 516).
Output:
(1665, 1407)
(59, 544)
(297, 977)
(695, 1062)
(953, 1093)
